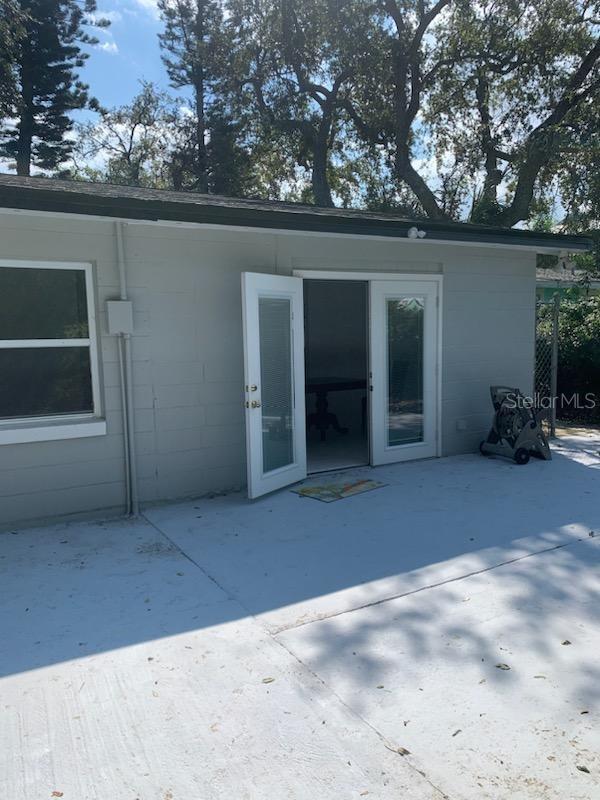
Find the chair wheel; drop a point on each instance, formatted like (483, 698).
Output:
(522, 456)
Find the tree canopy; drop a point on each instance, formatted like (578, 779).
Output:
(449, 109)
(43, 61)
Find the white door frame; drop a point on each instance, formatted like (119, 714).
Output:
(437, 278)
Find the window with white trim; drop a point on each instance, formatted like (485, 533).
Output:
(48, 358)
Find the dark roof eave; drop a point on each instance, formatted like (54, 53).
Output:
(243, 214)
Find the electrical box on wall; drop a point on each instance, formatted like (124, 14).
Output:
(120, 316)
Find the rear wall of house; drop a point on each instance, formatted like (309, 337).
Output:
(188, 359)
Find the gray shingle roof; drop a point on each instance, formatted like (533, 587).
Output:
(128, 202)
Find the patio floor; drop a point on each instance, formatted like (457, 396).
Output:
(288, 648)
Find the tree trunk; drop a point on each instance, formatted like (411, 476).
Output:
(320, 181)
(26, 120)
(201, 169)
(406, 172)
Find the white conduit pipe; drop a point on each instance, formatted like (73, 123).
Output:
(125, 424)
(126, 374)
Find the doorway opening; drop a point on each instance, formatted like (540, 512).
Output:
(336, 373)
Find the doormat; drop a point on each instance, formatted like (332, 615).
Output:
(330, 492)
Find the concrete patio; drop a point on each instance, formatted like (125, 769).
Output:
(288, 648)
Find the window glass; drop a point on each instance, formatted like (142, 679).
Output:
(276, 389)
(42, 303)
(405, 327)
(43, 381)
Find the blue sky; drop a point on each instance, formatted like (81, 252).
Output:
(127, 52)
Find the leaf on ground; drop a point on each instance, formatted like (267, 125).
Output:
(540, 676)
(583, 768)
(402, 751)
(57, 794)
(566, 641)
(457, 732)
(584, 712)
(502, 666)
(268, 680)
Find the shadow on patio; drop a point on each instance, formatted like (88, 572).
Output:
(73, 590)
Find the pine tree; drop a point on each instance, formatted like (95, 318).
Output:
(194, 51)
(47, 62)
(11, 31)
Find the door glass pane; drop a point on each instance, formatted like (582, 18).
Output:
(405, 325)
(42, 303)
(276, 375)
(40, 381)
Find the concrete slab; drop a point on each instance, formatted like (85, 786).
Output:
(429, 671)
(291, 560)
(129, 674)
(290, 649)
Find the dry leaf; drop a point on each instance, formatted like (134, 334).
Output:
(57, 794)
(502, 666)
(268, 680)
(457, 732)
(566, 641)
(581, 768)
(402, 751)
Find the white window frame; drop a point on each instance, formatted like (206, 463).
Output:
(58, 426)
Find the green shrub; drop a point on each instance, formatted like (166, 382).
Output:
(579, 355)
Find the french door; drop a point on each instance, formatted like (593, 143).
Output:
(273, 323)
(403, 370)
(403, 374)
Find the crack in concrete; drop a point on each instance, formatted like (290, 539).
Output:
(349, 710)
(187, 557)
(359, 718)
(273, 634)
(455, 579)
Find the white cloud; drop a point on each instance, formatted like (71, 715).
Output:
(148, 5)
(112, 16)
(108, 47)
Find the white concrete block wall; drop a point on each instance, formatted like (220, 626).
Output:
(188, 358)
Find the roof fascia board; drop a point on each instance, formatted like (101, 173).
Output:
(546, 248)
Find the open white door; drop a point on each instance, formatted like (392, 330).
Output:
(404, 345)
(273, 322)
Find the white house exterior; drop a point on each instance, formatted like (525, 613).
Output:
(194, 278)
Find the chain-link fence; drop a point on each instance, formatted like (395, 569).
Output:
(546, 362)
